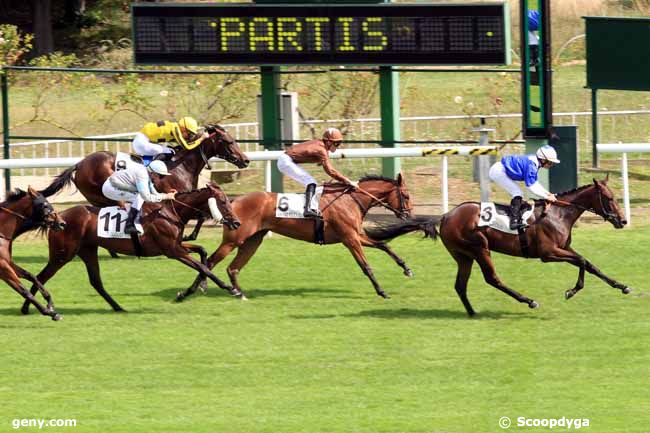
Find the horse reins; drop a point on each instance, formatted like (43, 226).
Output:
(607, 215)
(13, 213)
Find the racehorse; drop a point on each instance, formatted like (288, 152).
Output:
(163, 226)
(548, 237)
(21, 212)
(185, 167)
(343, 210)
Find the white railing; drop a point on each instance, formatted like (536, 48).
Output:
(624, 149)
(416, 127)
(269, 156)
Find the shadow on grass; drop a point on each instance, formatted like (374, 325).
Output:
(215, 292)
(410, 313)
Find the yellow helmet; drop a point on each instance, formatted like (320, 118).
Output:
(190, 124)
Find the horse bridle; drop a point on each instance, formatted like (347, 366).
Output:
(228, 154)
(401, 213)
(39, 203)
(607, 214)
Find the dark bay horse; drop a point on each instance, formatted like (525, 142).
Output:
(548, 236)
(185, 167)
(163, 226)
(21, 212)
(343, 213)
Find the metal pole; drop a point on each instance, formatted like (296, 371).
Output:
(445, 184)
(626, 190)
(5, 126)
(271, 129)
(390, 127)
(594, 128)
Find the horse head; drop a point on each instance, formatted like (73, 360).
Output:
(43, 213)
(392, 194)
(220, 143)
(605, 205)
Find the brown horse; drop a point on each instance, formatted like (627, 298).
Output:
(343, 213)
(185, 167)
(548, 237)
(163, 226)
(24, 211)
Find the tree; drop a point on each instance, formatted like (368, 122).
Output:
(43, 37)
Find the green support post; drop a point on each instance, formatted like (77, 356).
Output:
(594, 128)
(271, 128)
(390, 128)
(5, 125)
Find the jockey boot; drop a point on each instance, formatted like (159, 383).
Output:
(515, 207)
(309, 194)
(129, 228)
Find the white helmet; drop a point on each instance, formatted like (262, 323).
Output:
(159, 167)
(547, 153)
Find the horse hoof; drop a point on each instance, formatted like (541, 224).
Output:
(56, 317)
(408, 273)
(180, 297)
(383, 295)
(243, 297)
(203, 287)
(533, 305)
(626, 290)
(24, 310)
(569, 294)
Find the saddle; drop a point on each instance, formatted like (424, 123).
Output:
(498, 216)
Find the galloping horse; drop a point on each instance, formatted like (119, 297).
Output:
(24, 211)
(163, 225)
(343, 213)
(548, 237)
(185, 167)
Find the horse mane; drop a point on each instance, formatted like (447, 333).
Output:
(15, 195)
(578, 189)
(376, 177)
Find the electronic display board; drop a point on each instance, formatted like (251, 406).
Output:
(263, 34)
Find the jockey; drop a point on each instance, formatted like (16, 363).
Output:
(135, 186)
(185, 132)
(312, 151)
(523, 168)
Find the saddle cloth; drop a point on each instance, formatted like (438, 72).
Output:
(293, 205)
(497, 216)
(111, 221)
(125, 160)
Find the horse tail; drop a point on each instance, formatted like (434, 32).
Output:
(61, 181)
(387, 232)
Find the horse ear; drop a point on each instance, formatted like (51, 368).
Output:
(400, 179)
(595, 182)
(606, 178)
(32, 191)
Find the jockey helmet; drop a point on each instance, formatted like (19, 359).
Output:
(547, 153)
(190, 124)
(332, 134)
(158, 167)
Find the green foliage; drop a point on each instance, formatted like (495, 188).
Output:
(13, 44)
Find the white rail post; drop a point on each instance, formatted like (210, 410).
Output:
(626, 190)
(445, 183)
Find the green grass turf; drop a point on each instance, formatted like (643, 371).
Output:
(315, 350)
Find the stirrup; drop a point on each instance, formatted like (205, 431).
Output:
(310, 213)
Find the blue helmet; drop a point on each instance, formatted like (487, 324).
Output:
(533, 20)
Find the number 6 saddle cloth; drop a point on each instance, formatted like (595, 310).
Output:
(293, 205)
(497, 216)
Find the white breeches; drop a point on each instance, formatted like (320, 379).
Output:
(499, 176)
(113, 193)
(294, 171)
(142, 146)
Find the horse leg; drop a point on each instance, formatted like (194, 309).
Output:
(195, 233)
(8, 274)
(354, 245)
(183, 256)
(462, 277)
(200, 281)
(89, 257)
(23, 273)
(489, 273)
(570, 256)
(198, 249)
(367, 242)
(244, 254)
